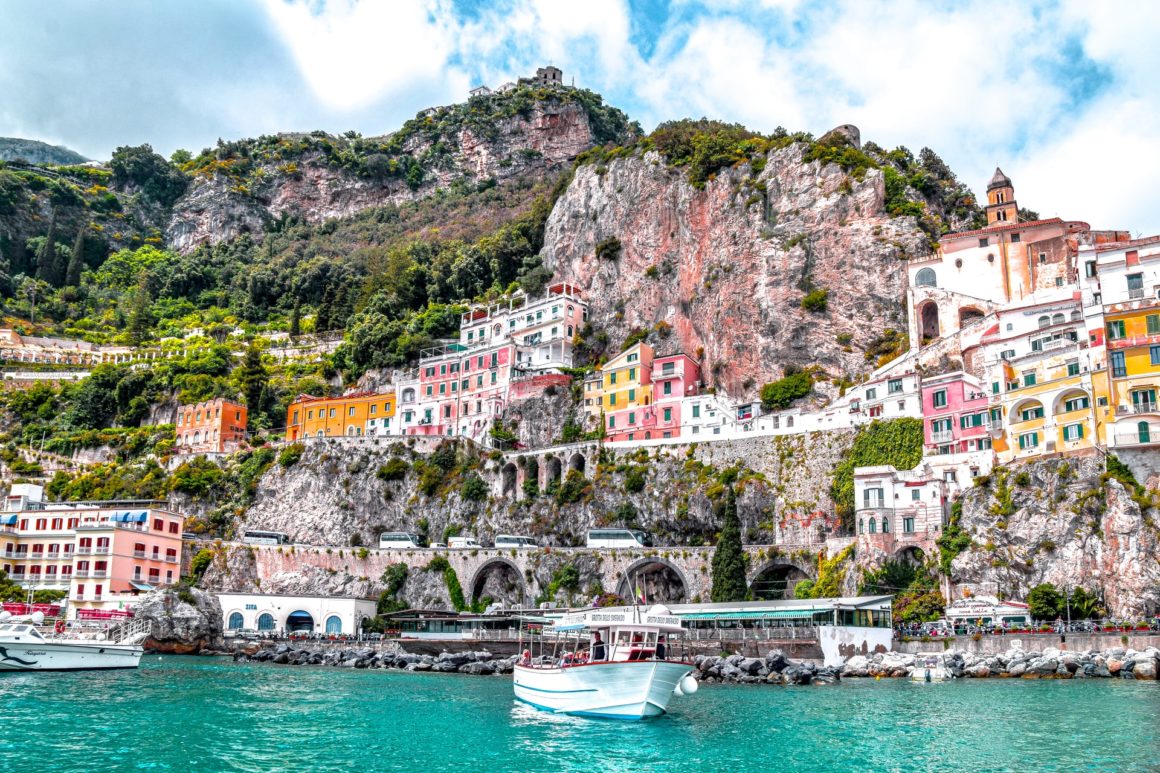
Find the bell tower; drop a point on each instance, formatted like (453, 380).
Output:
(1001, 208)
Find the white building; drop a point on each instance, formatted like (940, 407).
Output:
(278, 613)
(906, 503)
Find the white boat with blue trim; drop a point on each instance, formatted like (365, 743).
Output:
(615, 662)
(24, 647)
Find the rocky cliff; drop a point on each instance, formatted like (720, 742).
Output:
(727, 265)
(1060, 521)
(182, 620)
(242, 187)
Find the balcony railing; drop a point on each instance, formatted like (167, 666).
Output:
(171, 559)
(82, 550)
(1151, 438)
(944, 436)
(1135, 293)
(1134, 408)
(138, 554)
(1130, 341)
(81, 573)
(99, 573)
(101, 549)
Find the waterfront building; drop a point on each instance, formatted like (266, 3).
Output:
(102, 554)
(349, 415)
(1120, 288)
(211, 427)
(899, 508)
(280, 614)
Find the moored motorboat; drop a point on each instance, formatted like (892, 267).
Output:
(617, 662)
(929, 669)
(24, 647)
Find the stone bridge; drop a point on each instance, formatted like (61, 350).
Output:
(671, 574)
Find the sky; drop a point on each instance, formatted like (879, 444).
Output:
(1060, 93)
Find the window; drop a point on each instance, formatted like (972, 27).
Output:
(1029, 378)
(1043, 257)
(350, 411)
(633, 357)
(631, 419)
(894, 386)
(697, 411)
(611, 422)
(1119, 368)
(1076, 404)
(908, 525)
(631, 395)
(1073, 432)
(872, 498)
(1059, 281)
(235, 621)
(1089, 268)
(1154, 351)
(1034, 412)
(1135, 285)
(873, 526)
(1144, 432)
(871, 393)
(265, 622)
(668, 414)
(1029, 440)
(1153, 323)
(667, 388)
(1116, 330)
(994, 387)
(1045, 321)
(332, 413)
(915, 494)
(374, 409)
(939, 398)
(612, 399)
(632, 374)
(972, 420)
(885, 525)
(1007, 354)
(984, 241)
(1073, 368)
(861, 526)
(925, 278)
(612, 377)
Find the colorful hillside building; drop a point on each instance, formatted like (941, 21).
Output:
(210, 427)
(626, 394)
(346, 416)
(1120, 286)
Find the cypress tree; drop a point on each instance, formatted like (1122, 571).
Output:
(141, 311)
(76, 262)
(296, 319)
(253, 379)
(46, 255)
(729, 557)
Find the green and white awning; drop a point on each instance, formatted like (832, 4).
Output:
(770, 614)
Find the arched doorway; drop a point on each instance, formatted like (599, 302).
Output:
(577, 462)
(659, 581)
(235, 621)
(299, 621)
(265, 622)
(911, 555)
(498, 580)
(509, 479)
(334, 624)
(777, 581)
(968, 315)
(928, 321)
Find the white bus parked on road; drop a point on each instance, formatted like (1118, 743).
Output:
(618, 538)
(514, 541)
(398, 540)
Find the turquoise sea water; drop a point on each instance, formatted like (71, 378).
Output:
(202, 714)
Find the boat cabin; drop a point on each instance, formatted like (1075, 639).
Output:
(611, 635)
(10, 632)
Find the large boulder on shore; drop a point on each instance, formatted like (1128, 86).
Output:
(182, 620)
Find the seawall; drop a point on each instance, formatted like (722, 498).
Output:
(995, 645)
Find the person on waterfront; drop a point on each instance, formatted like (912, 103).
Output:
(597, 647)
(660, 652)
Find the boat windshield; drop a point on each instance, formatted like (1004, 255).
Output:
(12, 629)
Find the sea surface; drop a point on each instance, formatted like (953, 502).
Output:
(182, 713)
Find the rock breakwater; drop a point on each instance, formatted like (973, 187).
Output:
(1051, 663)
(480, 663)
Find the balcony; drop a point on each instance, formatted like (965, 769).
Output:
(101, 550)
(138, 554)
(81, 573)
(1135, 293)
(943, 436)
(83, 551)
(99, 573)
(1136, 408)
(171, 559)
(1138, 439)
(1130, 341)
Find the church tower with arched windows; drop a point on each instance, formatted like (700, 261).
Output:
(1001, 207)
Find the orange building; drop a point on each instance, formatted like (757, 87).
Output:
(354, 414)
(215, 426)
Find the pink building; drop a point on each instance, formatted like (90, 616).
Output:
(674, 378)
(955, 414)
(103, 556)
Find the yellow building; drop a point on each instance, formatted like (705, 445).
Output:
(1120, 286)
(621, 391)
(351, 415)
(1038, 370)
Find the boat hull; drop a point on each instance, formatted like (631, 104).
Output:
(67, 656)
(622, 690)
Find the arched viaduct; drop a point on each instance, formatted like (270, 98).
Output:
(666, 574)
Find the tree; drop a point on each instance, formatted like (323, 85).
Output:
(46, 255)
(254, 380)
(140, 167)
(1083, 604)
(141, 311)
(729, 557)
(1044, 602)
(780, 394)
(296, 319)
(76, 261)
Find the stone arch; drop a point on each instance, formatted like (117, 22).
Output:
(661, 580)
(509, 475)
(911, 555)
(928, 325)
(777, 579)
(969, 315)
(501, 579)
(577, 462)
(553, 470)
(1017, 410)
(299, 620)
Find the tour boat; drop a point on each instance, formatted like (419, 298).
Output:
(929, 669)
(616, 662)
(23, 647)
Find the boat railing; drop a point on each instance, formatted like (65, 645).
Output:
(132, 631)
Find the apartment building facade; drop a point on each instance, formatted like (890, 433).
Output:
(211, 427)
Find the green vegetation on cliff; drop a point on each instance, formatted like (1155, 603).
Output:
(897, 442)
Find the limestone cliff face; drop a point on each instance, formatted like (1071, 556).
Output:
(727, 266)
(217, 208)
(1066, 526)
